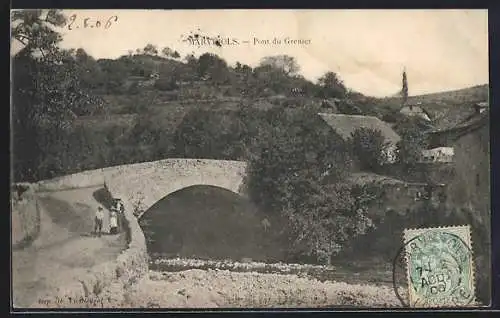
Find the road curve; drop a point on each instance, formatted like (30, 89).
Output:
(65, 247)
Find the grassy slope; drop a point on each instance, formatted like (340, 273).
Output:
(168, 114)
(439, 104)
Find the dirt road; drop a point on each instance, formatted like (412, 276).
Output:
(65, 247)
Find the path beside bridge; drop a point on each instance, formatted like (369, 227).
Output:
(65, 248)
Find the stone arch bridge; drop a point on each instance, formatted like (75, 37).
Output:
(144, 184)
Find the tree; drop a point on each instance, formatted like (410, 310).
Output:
(46, 89)
(296, 174)
(190, 59)
(413, 141)
(34, 30)
(208, 134)
(88, 69)
(167, 52)
(150, 49)
(404, 89)
(284, 63)
(176, 55)
(369, 147)
(213, 66)
(331, 86)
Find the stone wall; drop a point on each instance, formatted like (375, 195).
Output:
(403, 197)
(436, 172)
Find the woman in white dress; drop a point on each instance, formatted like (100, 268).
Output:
(113, 222)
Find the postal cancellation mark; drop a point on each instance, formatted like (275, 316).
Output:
(439, 267)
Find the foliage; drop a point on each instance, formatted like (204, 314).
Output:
(369, 147)
(138, 204)
(150, 49)
(165, 84)
(47, 94)
(393, 117)
(284, 63)
(168, 52)
(297, 174)
(413, 141)
(214, 67)
(331, 86)
(214, 135)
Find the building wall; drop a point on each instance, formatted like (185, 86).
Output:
(403, 206)
(440, 154)
(469, 196)
(471, 186)
(391, 153)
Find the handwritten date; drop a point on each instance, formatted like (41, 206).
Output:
(74, 22)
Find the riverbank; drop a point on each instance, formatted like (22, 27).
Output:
(197, 288)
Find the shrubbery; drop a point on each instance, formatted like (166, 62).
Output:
(297, 173)
(369, 147)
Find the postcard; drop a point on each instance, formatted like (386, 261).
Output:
(214, 159)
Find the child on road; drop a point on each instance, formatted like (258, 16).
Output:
(99, 217)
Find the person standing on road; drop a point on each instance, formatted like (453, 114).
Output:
(113, 222)
(120, 209)
(99, 217)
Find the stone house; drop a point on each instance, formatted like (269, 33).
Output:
(439, 154)
(411, 110)
(469, 193)
(443, 135)
(345, 125)
(470, 189)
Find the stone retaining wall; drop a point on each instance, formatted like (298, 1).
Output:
(25, 213)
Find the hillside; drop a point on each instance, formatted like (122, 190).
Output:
(444, 99)
(209, 83)
(143, 98)
(470, 94)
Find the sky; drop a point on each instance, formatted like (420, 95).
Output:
(440, 49)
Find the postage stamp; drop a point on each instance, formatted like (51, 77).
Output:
(440, 269)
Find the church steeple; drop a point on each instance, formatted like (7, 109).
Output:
(404, 90)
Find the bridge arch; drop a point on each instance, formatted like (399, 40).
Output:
(205, 221)
(144, 184)
(236, 229)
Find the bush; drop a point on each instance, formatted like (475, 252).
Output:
(369, 148)
(211, 135)
(413, 141)
(165, 85)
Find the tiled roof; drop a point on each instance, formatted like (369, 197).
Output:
(345, 125)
